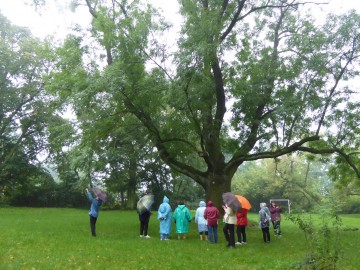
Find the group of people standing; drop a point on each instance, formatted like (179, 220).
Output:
(206, 217)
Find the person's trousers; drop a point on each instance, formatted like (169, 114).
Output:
(92, 225)
(266, 234)
(229, 232)
(213, 235)
(164, 236)
(240, 231)
(276, 225)
(144, 227)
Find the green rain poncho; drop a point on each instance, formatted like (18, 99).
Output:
(182, 217)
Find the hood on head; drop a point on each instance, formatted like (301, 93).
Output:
(262, 205)
(166, 199)
(210, 203)
(202, 204)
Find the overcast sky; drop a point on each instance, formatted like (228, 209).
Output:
(56, 18)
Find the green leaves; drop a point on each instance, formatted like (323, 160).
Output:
(248, 80)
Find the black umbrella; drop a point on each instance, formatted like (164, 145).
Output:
(231, 201)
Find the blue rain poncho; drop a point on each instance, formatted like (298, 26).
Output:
(199, 217)
(164, 215)
(182, 217)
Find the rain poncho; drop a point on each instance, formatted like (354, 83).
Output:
(182, 217)
(264, 217)
(164, 215)
(211, 214)
(199, 217)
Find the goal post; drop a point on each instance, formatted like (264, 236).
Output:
(282, 200)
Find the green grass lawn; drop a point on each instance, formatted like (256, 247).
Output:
(60, 239)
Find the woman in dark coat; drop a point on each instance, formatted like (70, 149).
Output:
(275, 211)
(144, 219)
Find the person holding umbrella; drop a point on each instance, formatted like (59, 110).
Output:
(231, 206)
(229, 227)
(94, 211)
(242, 220)
(241, 223)
(144, 211)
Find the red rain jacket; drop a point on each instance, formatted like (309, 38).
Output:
(211, 214)
(241, 217)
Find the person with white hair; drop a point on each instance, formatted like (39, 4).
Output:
(264, 222)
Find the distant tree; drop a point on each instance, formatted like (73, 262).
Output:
(303, 181)
(24, 110)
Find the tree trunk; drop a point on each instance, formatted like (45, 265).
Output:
(132, 184)
(216, 186)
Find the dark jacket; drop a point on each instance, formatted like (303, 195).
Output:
(145, 216)
(95, 205)
(275, 212)
(211, 214)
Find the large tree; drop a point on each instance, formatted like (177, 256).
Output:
(249, 80)
(23, 103)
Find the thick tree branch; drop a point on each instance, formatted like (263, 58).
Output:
(236, 160)
(159, 143)
(332, 151)
(337, 80)
(220, 95)
(233, 21)
(265, 96)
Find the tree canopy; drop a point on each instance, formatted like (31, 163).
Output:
(248, 80)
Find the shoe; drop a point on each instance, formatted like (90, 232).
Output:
(148, 236)
(238, 243)
(141, 236)
(166, 239)
(243, 243)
